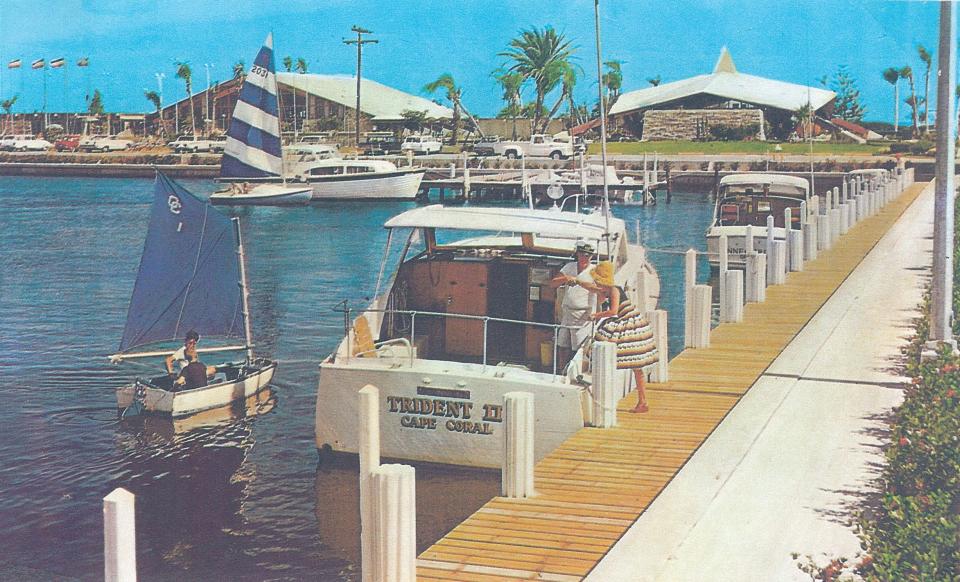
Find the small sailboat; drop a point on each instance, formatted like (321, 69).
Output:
(252, 157)
(192, 276)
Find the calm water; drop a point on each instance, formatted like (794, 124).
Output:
(235, 494)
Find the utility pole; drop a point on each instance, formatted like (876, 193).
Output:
(206, 101)
(941, 308)
(359, 42)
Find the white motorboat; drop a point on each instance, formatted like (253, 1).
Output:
(355, 179)
(192, 276)
(254, 158)
(746, 200)
(464, 321)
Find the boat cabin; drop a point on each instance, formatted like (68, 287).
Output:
(503, 273)
(748, 199)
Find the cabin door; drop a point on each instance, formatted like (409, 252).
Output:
(507, 299)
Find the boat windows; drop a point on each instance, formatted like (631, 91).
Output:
(494, 285)
(763, 206)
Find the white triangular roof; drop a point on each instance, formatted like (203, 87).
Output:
(725, 82)
(379, 101)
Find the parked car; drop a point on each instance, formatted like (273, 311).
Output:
(196, 144)
(67, 143)
(380, 144)
(103, 143)
(6, 142)
(421, 144)
(25, 143)
(320, 151)
(485, 145)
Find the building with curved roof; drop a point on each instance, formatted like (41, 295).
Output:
(698, 103)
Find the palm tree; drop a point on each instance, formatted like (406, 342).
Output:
(186, 73)
(928, 61)
(154, 97)
(654, 81)
(892, 75)
(302, 69)
(613, 79)
(536, 55)
(239, 70)
(287, 63)
(511, 83)
(568, 81)
(7, 105)
(453, 94)
(907, 73)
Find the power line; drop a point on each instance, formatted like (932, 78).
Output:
(359, 42)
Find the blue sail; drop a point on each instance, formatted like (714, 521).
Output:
(189, 276)
(253, 148)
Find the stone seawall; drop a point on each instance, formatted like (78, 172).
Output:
(694, 124)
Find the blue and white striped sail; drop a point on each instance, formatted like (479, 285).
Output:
(253, 141)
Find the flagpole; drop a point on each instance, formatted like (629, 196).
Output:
(45, 118)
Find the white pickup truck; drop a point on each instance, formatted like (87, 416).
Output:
(194, 144)
(538, 146)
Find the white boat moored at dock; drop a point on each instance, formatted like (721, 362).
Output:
(746, 200)
(464, 321)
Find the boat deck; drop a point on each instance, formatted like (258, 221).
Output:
(595, 486)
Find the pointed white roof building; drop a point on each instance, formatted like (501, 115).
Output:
(724, 84)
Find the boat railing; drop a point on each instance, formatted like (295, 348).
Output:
(413, 314)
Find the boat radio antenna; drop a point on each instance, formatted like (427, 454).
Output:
(603, 128)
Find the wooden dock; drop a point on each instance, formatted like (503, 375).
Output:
(596, 485)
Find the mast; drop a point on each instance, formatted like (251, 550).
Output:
(603, 129)
(244, 292)
(276, 91)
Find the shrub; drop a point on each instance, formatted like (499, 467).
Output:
(734, 132)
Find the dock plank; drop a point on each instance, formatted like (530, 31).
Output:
(597, 483)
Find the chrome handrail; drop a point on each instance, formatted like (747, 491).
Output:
(486, 319)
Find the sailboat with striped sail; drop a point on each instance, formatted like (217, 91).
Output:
(252, 158)
(254, 164)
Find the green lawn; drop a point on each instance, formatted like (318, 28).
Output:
(734, 147)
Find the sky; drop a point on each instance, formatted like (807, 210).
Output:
(129, 41)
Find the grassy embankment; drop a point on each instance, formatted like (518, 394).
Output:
(735, 147)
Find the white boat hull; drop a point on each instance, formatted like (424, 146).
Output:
(401, 184)
(736, 244)
(185, 402)
(441, 412)
(264, 195)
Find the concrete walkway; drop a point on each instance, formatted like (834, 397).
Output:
(784, 472)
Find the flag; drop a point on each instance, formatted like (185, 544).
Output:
(37, 64)
(83, 62)
(57, 63)
(14, 64)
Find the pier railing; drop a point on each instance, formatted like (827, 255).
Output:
(413, 314)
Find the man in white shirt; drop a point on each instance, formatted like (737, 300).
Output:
(578, 303)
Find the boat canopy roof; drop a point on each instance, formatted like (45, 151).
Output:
(765, 180)
(544, 223)
(868, 172)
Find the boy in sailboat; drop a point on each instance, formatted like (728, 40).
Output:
(178, 359)
(195, 373)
